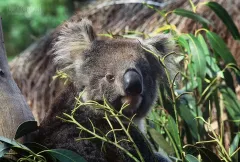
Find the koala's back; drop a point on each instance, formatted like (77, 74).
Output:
(54, 133)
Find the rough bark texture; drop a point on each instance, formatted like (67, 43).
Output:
(33, 69)
(14, 108)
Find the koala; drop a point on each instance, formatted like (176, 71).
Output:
(120, 70)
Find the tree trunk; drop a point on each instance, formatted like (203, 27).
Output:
(13, 107)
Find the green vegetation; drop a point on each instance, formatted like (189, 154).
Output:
(27, 20)
(206, 87)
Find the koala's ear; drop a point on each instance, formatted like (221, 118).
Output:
(73, 38)
(162, 45)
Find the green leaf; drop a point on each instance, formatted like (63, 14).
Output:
(231, 102)
(4, 148)
(12, 143)
(189, 119)
(191, 84)
(63, 155)
(187, 105)
(229, 79)
(225, 17)
(173, 130)
(192, 15)
(160, 140)
(212, 68)
(198, 58)
(25, 128)
(220, 48)
(197, 66)
(234, 144)
(204, 45)
(182, 41)
(200, 84)
(35, 147)
(191, 158)
(208, 156)
(6, 159)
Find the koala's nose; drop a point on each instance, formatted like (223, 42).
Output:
(132, 82)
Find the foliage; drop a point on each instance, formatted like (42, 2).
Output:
(207, 87)
(26, 20)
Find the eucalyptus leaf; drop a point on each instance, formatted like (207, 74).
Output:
(187, 105)
(173, 130)
(192, 15)
(198, 57)
(12, 142)
(204, 45)
(208, 156)
(229, 79)
(200, 84)
(231, 102)
(160, 140)
(191, 158)
(63, 155)
(26, 128)
(35, 147)
(234, 144)
(182, 41)
(4, 148)
(190, 85)
(225, 17)
(212, 67)
(4, 159)
(220, 48)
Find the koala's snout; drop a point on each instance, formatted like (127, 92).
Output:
(132, 82)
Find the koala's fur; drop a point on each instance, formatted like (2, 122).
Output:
(88, 60)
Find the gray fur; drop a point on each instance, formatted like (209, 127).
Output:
(87, 60)
(72, 40)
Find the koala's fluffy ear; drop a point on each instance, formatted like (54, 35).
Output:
(162, 45)
(73, 38)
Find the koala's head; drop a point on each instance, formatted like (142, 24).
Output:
(121, 70)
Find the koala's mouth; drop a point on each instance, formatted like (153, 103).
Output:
(133, 103)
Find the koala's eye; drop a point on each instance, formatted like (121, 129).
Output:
(1, 73)
(110, 78)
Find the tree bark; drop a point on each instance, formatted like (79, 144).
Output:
(13, 107)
